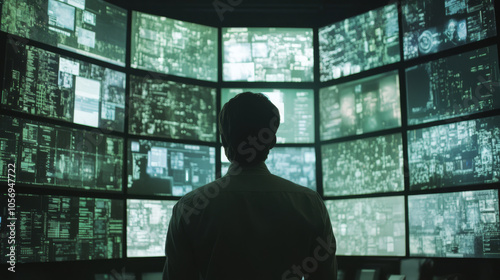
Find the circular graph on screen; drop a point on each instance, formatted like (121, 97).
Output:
(425, 42)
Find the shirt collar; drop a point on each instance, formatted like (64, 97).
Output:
(236, 169)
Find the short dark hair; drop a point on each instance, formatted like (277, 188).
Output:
(248, 124)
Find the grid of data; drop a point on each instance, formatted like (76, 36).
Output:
(370, 165)
(359, 43)
(368, 226)
(456, 225)
(454, 86)
(55, 156)
(462, 153)
(268, 54)
(172, 110)
(174, 47)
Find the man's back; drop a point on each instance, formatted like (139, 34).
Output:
(250, 224)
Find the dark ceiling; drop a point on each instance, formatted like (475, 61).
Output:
(276, 13)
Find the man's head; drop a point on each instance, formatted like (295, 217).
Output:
(248, 124)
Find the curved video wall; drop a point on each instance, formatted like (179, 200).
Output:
(396, 124)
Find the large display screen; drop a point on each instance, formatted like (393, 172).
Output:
(296, 108)
(359, 43)
(454, 86)
(455, 225)
(61, 228)
(55, 156)
(93, 28)
(172, 110)
(296, 164)
(174, 47)
(147, 226)
(368, 226)
(46, 84)
(268, 54)
(370, 165)
(163, 168)
(430, 26)
(365, 105)
(455, 154)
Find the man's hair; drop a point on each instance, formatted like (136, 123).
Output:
(248, 124)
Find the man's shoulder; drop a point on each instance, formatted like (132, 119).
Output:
(287, 185)
(208, 191)
(270, 183)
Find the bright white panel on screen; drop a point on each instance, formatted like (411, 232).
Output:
(147, 226)
(369, 226)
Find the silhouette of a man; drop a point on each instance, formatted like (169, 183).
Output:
(250, 224)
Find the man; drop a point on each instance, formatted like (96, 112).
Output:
(250, 224)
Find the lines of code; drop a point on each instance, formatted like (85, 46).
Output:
(54, 156)
(60, 228)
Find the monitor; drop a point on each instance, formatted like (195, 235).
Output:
(172, 110)
(268, 54)
(296, 108)
(296, 164)
(454, 225)
(454, 86)
(430, 26)
(174, 47)
(46, 84)
(361, 106)
(48, 155)
(147, 226)
(53, 228)
(454, 154)
(359, 43)
(372, 226)
(163, 168)
(93, 28)
(369, 165)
